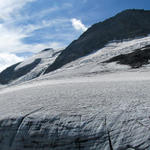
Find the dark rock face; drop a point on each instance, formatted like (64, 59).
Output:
(127, 24)
(136, 59)
(10, 73)
(47, 49)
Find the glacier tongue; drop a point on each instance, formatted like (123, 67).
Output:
(89, 113)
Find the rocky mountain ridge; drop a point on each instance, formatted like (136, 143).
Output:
(127, 24)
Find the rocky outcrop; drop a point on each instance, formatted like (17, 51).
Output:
(136, 59)
(125, 25)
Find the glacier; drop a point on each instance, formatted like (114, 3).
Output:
(86, 104)
(86, 113)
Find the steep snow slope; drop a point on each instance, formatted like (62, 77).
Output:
(90, 113)
(30, 68)
(94, 63)
(47, 57)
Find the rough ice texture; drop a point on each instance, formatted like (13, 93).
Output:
(82, 113)
(47, 57)
(30, 68)
(85, 66)
(94, 63)
(93, 111)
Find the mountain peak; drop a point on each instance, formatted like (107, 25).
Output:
(127, 24)
(132, 12)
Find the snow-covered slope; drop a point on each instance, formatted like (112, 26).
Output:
(30, 68)
(94, 63)
(85, 105)
(47, 57)
(130, 23)
(109, 112)
(85, 66)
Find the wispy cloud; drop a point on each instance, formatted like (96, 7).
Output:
(10, 7)
(17, 25)
(30, 26)
(44, 23)
(78, 25)
(11, 41)
(12, 35)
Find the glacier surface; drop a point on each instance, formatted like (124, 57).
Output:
(81, 113)
(84, 105)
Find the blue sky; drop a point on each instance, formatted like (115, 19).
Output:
(28, 26)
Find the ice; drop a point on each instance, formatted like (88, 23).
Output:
(85, 66)
(47, 58)
(93, 64)
(85, 105)
(77, 113)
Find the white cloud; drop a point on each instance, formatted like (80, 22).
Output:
(10, 7)
(40, 14)
(7, 59)
(11, 35)
(78, 25)
(11, 38)
(45, 23)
